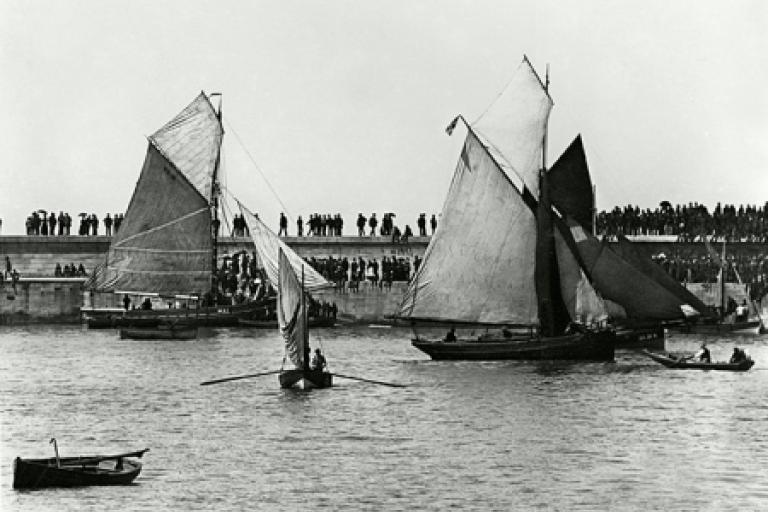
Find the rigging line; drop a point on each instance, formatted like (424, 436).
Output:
(253, 161)
(162, 226)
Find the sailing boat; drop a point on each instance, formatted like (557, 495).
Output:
(641, 298)
(294, 327)
(496, 261)
(728, 320)
(166, 246)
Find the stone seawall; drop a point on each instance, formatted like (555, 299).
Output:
(41, 298)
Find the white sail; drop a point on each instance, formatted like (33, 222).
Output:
(268, 245)
(291, 319)
(191, 140)
(513, 127)
(582, 301)
(479, 266)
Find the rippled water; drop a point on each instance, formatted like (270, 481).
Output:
(629, 435)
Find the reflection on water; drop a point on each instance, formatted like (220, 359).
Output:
(627, 435)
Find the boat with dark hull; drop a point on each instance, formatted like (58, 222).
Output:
(501, 257)
(118, 469)
(592, 346)
(680, 363)
(160, 332)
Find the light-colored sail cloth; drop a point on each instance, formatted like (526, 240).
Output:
(479, 265)
(268, 245)
(164, 244)
(291, 319)
(513, 126)
(582, 301)
(191, 140)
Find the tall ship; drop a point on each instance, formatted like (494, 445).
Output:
(503, 268)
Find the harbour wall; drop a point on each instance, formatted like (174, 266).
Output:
(41, 298)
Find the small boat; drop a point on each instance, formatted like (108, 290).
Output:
(294, 327)
(161, 332)
(671, 361)
(58, 471)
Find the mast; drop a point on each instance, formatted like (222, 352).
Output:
(215, 205)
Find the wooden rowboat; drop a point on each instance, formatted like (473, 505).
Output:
(76, 471)
(683, 364)
(161, 332)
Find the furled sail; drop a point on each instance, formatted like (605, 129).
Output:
(292, 321)
(479, 265)
(268, 246)
(513, 127)
(164, 244)
(618, 280)
(571, 186)
(192, 140)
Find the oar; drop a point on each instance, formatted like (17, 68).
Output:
(227, 379)
(370, 380)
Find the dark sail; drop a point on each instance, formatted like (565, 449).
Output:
(627, 251)
(570, 184)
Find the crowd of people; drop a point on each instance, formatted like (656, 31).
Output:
(341, 271)
(69, 270)
(688, 222)
(42, 223)
(333, 225)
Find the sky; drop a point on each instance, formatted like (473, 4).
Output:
(341, 106)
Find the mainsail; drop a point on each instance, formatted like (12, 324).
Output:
(268, 246)
(291, 319)
(164, 244)
(479, 265)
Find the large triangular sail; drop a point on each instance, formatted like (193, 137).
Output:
(268, 246)
(292, 320)
(571, 185)
(479, 265)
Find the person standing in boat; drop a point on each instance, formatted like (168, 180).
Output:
(703, 354)
(450, 336)
(318, 361)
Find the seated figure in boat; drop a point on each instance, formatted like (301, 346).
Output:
(318, 361)
(147, 304)
(450, 336)
(703, 354)
(738, 356)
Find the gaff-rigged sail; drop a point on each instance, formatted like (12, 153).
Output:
(268, 246)
(164, 244)
(291, 319)
(479, 265)
(513, 127)
(192, 141)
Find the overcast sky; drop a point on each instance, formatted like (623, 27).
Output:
(342, 105)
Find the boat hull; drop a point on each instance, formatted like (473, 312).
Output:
(641, 337)
(590, 346)
(677, 364)
(749, 326)
(159, 333)
(305, 379)
(39, 473)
